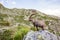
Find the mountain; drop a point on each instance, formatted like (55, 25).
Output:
(9, 17)
(14, 23)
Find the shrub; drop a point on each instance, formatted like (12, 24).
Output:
(17, 34)
(20, 32)
(6, 35)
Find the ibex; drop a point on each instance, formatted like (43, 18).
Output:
(37, 23)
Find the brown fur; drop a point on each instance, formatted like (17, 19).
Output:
(37, 23)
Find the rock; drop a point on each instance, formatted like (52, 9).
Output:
(40, 35)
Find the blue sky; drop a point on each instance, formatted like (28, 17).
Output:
(51, 7)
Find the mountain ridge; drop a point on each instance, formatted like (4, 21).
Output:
(21, 15)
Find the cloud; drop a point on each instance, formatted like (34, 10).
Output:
(7, 1)
(13, 2)
(55, 12)
(51, 7)
(1, 2)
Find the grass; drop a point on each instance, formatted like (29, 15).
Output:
(6, 35)
(15, 34)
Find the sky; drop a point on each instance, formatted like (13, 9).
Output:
(51, 7)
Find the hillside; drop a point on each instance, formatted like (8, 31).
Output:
(10, 18)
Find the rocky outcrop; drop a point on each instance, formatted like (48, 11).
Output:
(40, 35)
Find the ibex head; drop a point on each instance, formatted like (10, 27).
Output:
(33, 13)
(30, 18)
